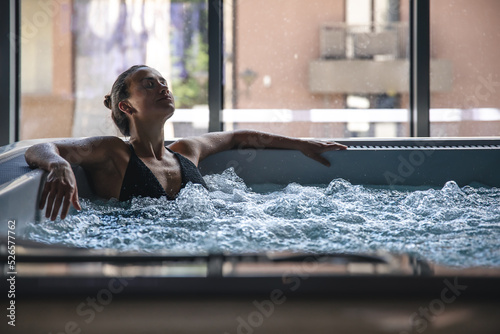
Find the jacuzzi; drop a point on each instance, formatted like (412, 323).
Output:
(61, 289)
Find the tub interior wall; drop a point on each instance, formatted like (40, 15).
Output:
(405, 166)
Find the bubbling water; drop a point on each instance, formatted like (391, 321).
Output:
(450, 226)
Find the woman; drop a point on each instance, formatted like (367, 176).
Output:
(141, 102)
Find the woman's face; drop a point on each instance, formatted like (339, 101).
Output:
(149, 93)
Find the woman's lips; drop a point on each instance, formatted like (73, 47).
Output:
(165, 98)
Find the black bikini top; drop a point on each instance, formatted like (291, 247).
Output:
(139, 180)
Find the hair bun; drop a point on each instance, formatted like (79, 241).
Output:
(107, 101)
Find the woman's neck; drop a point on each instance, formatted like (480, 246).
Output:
(148, 142)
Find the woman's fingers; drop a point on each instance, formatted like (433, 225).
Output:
(50, 203)
(65, 207)
(322, 160)
(329, 146)
(68, 200)
(75, 201)
(315, 148)
(60, 191)
(57, 204)
(340, 146)
(57, 199)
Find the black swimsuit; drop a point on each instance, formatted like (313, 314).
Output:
(139, 180)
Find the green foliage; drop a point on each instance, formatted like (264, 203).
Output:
(193, 90)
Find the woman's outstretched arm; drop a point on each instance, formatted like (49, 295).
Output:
(60, 187)
(198, 148)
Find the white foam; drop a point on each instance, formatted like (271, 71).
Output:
(452, 226)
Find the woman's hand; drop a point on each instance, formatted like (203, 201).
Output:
(314, 148)
(60, 189)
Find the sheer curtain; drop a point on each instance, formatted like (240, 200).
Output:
(111, 36)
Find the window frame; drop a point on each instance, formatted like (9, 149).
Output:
(9, 68)
(419, 68)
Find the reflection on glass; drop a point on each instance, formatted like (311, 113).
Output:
(466, 99)
(73, 50)
(320, 68)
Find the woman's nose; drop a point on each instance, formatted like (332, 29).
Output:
(163, 88)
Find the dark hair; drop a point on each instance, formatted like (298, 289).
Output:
(120, 92)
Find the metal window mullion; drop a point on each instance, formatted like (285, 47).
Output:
(15, 73)
(420, 68)
(9, 46)
(411, 43)
(215, 91)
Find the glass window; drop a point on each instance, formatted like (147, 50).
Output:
(318, 68)
(465, 74)
(73, 50)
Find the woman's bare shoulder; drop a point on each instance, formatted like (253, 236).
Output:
(197, 148)
(92, 149)
(100, 142)
(188, 147)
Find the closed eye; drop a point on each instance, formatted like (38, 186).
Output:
(151, 83)
(164, 82)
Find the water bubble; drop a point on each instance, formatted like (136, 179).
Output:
(337, 185)
(194, 201)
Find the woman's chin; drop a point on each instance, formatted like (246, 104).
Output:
(170, 113)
